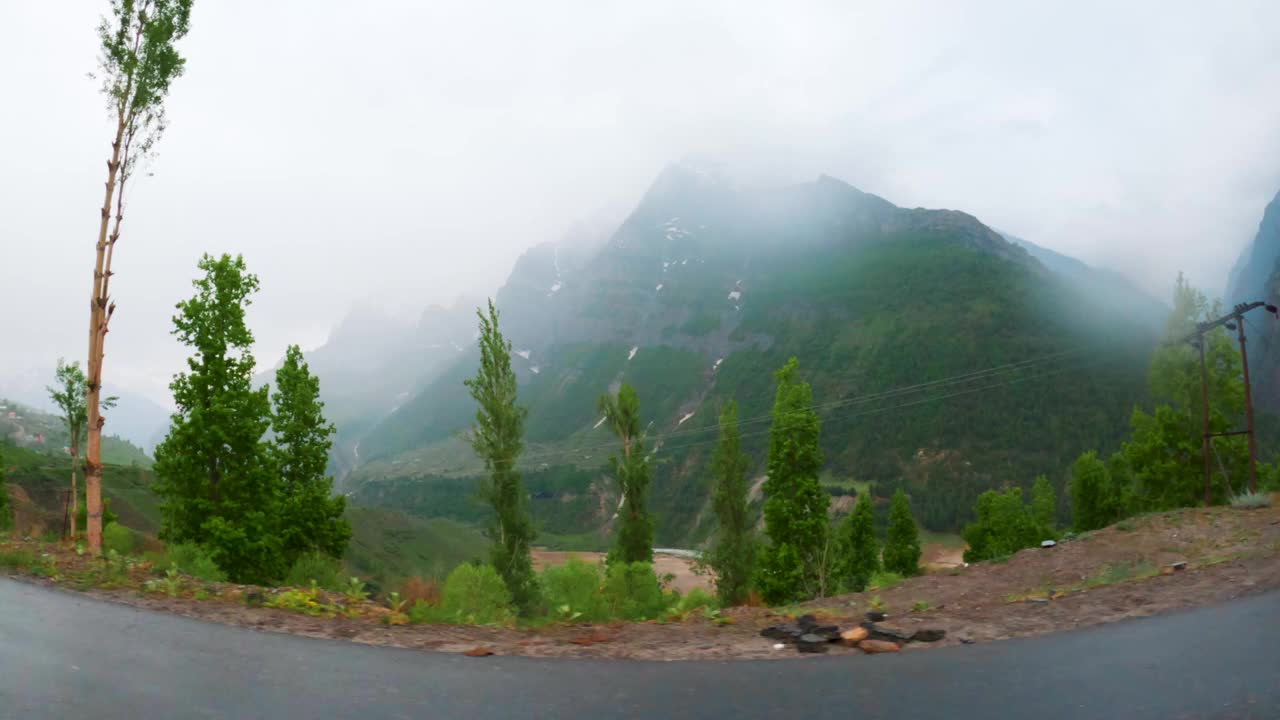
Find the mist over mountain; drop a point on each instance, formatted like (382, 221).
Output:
(1256, 276)
(1018, 357)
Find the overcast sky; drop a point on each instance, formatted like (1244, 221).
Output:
(406, 152)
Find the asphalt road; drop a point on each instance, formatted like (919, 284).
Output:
(65, 656)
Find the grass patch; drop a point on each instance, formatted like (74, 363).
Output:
(920, 606)
(1251, 500)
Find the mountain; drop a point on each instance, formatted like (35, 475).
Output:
(943, 357)
(1256, 276)
(46, 434)
(1109, 287)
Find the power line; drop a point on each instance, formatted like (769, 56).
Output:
(582, 452)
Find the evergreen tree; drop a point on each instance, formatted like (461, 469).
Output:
(859, 557)
(310, 516)
(1044, 504)
(733, 548)
(498, 439)
(216, 482)
(902, 539)
(795, 506)
(634, 542)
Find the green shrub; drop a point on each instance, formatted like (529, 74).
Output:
(476, 595)
(696, 599)
(883, 580)
(422, 611)
(1251, 501)
(192, 560)
(318, 567)
(119, 538)
(16, 559)
(633, 592)
(573, 590)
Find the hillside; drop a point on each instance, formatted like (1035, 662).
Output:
(45, 432)
(1256, 276)
(707, 288)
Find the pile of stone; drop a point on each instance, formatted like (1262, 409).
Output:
(808, 636)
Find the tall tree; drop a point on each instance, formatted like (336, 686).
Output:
(215, 477)
(1165, 454)
(902, 538)
(310, 516)
(859, 549)
(795, 506)
(1096, 499)
(634, 542)
(138, 64)
(1004, 524)
(69, 395)
(498, 439)
(733, 548)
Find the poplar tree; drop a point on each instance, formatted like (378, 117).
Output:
(310, 516)
(795, 506)
(902, 538)
(733, 548)
(498, 439)
(859, 557)
(138, 63)
(634, 541)
(69, 394)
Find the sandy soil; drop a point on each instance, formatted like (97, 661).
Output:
(1113, 574)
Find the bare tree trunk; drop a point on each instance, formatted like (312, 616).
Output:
(97, 331)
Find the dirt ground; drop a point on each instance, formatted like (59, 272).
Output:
(1113, 574)
(681, 568)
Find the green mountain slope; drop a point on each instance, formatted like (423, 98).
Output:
(707, 288)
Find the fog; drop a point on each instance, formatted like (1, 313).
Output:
(402, 153)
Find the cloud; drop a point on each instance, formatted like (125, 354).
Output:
(406, 152)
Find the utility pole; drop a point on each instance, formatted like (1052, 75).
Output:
(1248, 408)
(1204, 403)
(1232, 321)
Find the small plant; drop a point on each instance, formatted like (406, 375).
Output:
(16, 559)
(194, 561)
(920, 606)
(1125, 526)
(307, 602)
(170, 584)
(202, 594)
(354, 591)
(476, 595)
(883, 580)
(326, 571)
(564, 613)
(633, 592)
(1251, 500)
(575, 585)
(876, 603)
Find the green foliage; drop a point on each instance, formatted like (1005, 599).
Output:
(695, 599)
(498, 438)
(6, 515)
(388, 546)
(733, 547)
(920, 606)
(170, 584)
(355, 591)
(858, 553)
(216, 482)
(795, 506)
(1096, 498)
(193, 560)
(902, 539)
(883, 580)
(316, 568)
(634, 542)
(574, 589)
(1004, 525)
(306, 601)
(1044, 504)
(16, 559)
(475, 595)
(633, 592)
(310, 519)
(118, 538)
